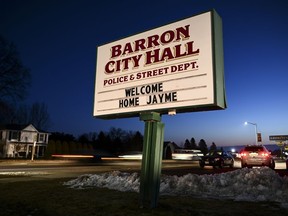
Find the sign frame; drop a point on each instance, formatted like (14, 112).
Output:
(278, 137)
(216, 83)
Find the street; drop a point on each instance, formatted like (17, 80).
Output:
(16, 170)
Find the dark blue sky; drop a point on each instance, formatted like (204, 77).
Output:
(57, 40)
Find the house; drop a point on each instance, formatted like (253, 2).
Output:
(18, 141)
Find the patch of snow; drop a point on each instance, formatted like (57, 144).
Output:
(22, 173)
(115, 180)
(257, 184)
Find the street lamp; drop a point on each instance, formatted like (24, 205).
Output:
(256, 131)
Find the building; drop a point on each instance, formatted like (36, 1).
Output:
(18, 141)
(169, 149)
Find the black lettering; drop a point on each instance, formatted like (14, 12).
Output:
(128, 102)
(162, 98)
(149, 99)
(128, 92)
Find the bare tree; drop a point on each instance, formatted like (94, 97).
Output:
(14, 80)
(7, 112)
(14, 77)
(22, 115)
(116, 133)
(39, 116)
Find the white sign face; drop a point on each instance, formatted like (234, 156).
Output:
(170, 67)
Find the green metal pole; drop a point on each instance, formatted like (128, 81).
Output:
(151, 159)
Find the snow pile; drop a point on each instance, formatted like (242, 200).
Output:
(258, 184)
(115, 180)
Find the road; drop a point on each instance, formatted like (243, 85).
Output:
(43, 169)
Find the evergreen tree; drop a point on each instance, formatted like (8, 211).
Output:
(187, 144)
(193, 143)
(203, 146)
(213, 147)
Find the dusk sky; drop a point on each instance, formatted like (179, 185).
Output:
(58, 41)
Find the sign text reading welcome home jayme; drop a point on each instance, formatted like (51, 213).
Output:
(154, 92)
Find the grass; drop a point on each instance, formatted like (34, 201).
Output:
(47, 197)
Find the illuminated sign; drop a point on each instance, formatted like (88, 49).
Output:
(278, 137)
(178, 66)
(259, 137)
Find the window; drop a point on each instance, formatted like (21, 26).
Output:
(41, 137)
(14, 135)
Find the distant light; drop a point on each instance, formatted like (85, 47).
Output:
(233, 150)
(131, 156)
(187, 154)
(245, 122)
(73, 156)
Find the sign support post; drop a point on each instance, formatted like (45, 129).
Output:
(151, 159)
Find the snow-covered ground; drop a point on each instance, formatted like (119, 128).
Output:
(256, 184)
(278, 164)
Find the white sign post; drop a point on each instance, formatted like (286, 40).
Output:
(33, 150)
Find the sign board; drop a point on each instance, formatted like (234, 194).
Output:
(259, 137)
(178, 66)
(278, 137)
